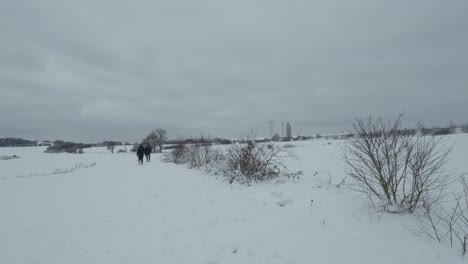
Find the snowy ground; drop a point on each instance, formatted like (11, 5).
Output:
(104, 208)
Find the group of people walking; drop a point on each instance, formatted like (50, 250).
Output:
(143, 151)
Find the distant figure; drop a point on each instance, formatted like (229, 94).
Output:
(140, 152)
(148, 152)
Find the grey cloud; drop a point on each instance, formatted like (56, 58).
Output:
(94, 70)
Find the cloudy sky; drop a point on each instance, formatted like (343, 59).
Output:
(93, 70)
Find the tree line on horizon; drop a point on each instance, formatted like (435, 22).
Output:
(159, 140)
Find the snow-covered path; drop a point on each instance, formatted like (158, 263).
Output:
(118, 212)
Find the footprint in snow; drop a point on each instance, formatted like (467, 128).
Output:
(285, 202)
(282, 201)
(278, 195)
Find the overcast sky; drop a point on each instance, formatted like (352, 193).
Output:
(92, 70)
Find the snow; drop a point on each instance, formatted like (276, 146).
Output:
(104, 208)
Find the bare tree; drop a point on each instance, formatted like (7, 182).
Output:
(398, 167)
(111, 145)
(156, 139)
(111, 148)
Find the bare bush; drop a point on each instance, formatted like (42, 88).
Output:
(399, 168)
(447, 221)
(251, 161)
(202, 155)
(176, 155)
(244, 162)
(194, 155)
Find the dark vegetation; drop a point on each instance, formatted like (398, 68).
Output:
(16, 142)
(173, 143)
(60, 146)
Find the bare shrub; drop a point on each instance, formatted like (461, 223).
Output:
(198, 156)
(243, 162)
(251, 161)
(399, 168)
(194, 155)
(447, 221)
(203, 154)
(177, 155)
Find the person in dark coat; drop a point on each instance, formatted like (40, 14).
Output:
(140, 152)
(148, 152)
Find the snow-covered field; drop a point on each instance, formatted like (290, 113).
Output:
(103, 208)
